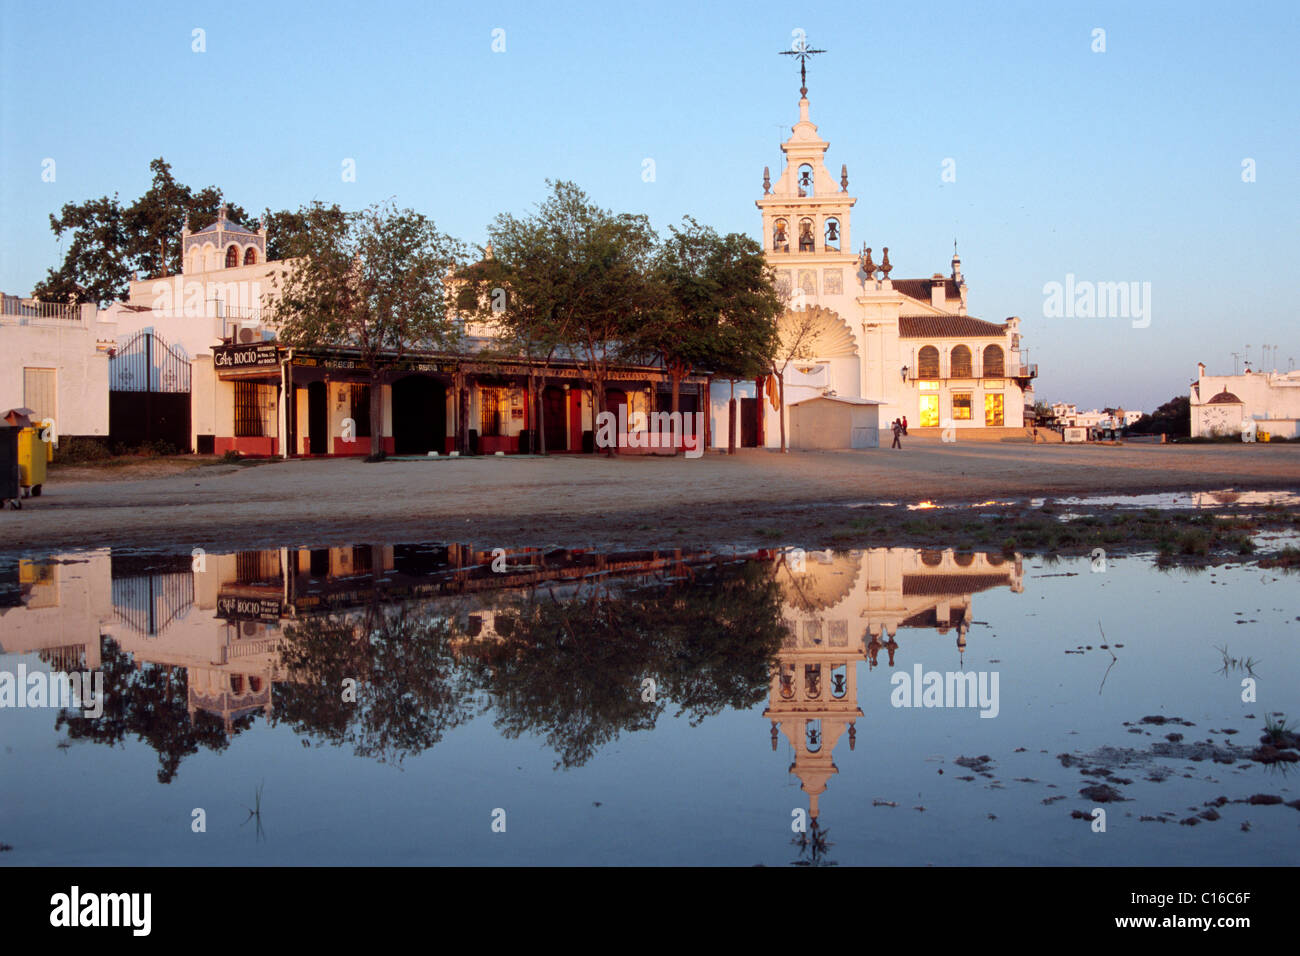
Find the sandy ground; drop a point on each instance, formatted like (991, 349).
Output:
(577, 501)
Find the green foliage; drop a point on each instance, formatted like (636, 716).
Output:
(1174, 417)
(371, 280)
(110, 242)
(715, 306)
(77, 451)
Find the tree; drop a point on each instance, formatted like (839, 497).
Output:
(371, 280)
(527, 291)
(111, 243)
(1174, 417)
(588, 277)
(709, 290)
(797, 339)
(284, 226)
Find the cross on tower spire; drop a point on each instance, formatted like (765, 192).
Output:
(803, 51)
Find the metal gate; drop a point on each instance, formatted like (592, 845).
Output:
(149, 393)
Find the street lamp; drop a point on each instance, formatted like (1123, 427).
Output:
(904, 373)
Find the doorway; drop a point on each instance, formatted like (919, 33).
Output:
(317, 418)
(749, 422)
(419, 415)
(553, 419)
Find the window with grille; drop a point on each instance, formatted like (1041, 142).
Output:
(961, 363)
(927, 361)
(993, 364)
(252, 403)
(961, 406)
(494, 410)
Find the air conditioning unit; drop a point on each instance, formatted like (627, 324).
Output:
(249, 334)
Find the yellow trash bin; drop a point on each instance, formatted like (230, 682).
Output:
(33, 454)
(1261, 436)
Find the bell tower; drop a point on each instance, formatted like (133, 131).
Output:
(806, 216)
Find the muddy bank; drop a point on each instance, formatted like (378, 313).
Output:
(751, 499)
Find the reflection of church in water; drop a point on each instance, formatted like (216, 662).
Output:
(844, 608)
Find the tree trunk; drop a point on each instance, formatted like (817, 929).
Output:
(731, 420)
(539, 436)
(376, 412)
(780, 388)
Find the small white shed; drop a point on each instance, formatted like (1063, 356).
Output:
(833, 421)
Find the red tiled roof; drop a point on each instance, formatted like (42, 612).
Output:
(1225, 397)
(947, 326)
(919, 289)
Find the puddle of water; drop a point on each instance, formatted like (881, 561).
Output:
(1183, 500)
(647, 707)
(1173, 500)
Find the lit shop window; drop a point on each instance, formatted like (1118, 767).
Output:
(993, 410)
(961, 406)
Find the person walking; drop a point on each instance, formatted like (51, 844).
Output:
(898, 430)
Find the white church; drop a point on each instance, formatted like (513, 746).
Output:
(855, 336)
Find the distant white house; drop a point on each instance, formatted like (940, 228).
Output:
(1259, 401)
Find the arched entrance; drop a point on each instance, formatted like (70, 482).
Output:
(419, 415)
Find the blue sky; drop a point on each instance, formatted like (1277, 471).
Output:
(1117, 166)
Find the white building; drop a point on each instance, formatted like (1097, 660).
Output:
(908, 344)
(56, 364)
(1262, 401)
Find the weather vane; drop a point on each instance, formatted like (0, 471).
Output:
(801, 49)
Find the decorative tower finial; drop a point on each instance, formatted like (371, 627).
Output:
(844, 178)
(884, 265)
(956, 263)
(767, 181)
(801, 49)
(868, 266)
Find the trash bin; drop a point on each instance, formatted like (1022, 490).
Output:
(33, 454)
(9, 465)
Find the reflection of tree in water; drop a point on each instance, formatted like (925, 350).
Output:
(151, 703)
(571, 669)
(410, 689)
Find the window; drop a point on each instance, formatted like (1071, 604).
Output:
(254, 404)
(360, 410)
(993, 366)
(232, 257)
(930, 411)
(961, 406)
(39, 386)
(250, 257)
(928, 362)
(993, 410)
(961, 362)
(494, 410)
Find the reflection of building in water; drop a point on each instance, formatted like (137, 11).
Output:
(845, 607)
(220, 616)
